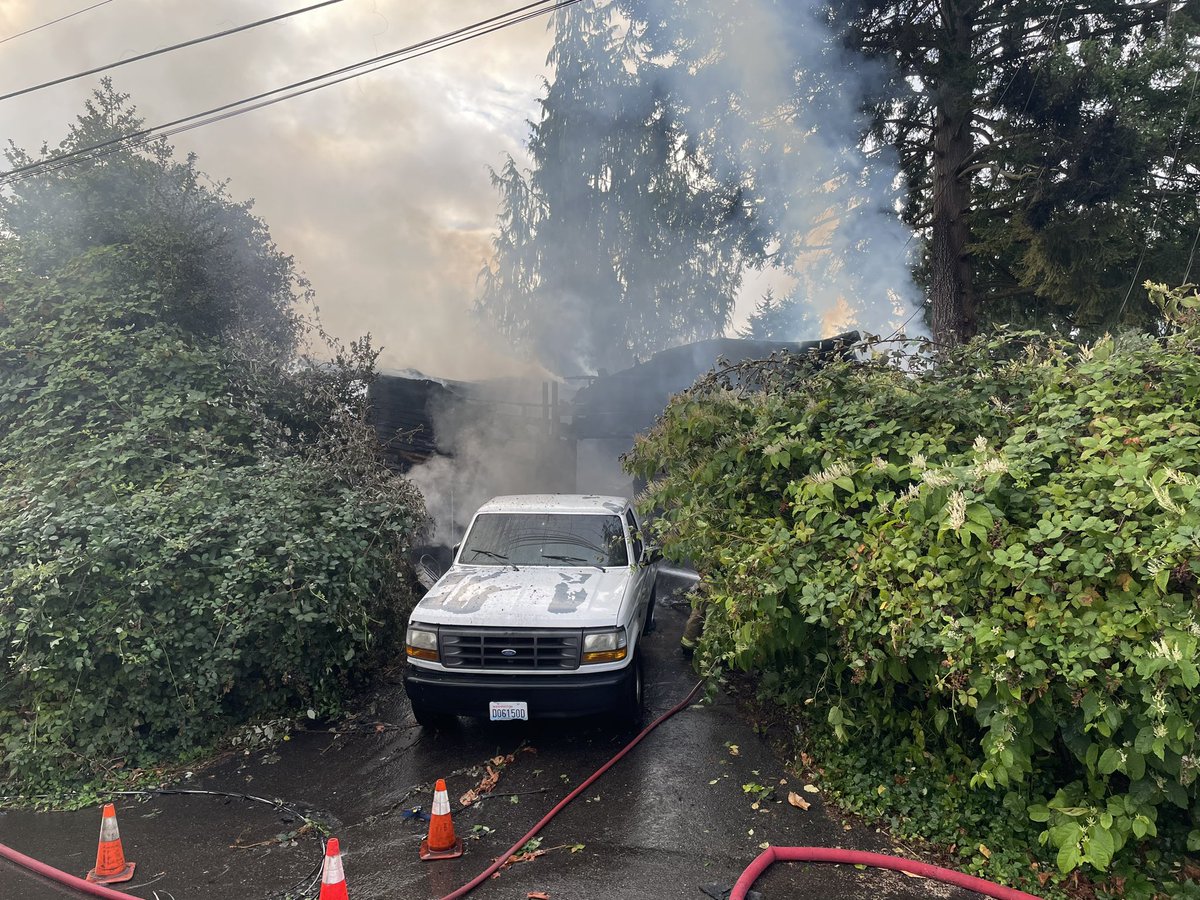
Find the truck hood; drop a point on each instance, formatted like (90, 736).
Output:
(534, 597)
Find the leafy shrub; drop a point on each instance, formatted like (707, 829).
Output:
(189, 537)
(988, 554)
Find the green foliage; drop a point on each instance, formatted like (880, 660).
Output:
(190, 537)
(618, 226)
(218, 271)
(990, 554)
(1080, 127)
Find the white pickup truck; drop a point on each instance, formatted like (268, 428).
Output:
(540, 615)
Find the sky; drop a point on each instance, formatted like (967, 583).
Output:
(378, 187)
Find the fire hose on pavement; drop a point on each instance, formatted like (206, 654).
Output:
(760, 864)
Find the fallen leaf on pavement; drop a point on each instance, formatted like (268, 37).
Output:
(811, 789)
(469, 797)
(490, 780)
(987, 854)
(523, 857)
(537, 895)
(797, 801)
(733, 749)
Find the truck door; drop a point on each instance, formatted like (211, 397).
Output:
(643, 578)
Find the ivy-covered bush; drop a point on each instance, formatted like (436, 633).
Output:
(988, 554)
(190, 536)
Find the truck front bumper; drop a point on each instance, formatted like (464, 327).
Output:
(548, 696)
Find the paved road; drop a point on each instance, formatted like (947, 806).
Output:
(670, 817)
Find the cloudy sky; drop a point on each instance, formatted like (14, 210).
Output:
(378, 187)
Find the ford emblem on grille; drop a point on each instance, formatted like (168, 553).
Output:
(508, 652)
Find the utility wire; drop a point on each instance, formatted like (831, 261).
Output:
(159, 52)
(137, 139)
(52, 22)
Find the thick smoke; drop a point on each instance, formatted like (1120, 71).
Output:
(496, 441)
(773, 94)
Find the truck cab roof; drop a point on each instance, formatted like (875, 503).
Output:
(556, 503)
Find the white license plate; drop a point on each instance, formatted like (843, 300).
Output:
(508, 711)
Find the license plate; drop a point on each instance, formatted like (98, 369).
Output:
(508, 711)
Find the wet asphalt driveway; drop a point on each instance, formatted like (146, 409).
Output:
(672, 816)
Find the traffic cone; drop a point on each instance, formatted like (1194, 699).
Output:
(441, 843)
(333, 878)
(111, 867)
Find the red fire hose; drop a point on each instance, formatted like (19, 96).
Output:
(86, 887)
(876, 860)
(747, 879)
(503, 858)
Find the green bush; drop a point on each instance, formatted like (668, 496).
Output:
(190, 536)
(988, 554)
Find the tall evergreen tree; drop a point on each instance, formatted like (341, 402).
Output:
(618, 241)
(1050, 148)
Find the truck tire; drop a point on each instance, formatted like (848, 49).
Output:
(651, 624)
(632, 703)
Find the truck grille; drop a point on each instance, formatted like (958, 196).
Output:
(502, 648)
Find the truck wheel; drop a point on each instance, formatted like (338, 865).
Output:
(651, 625)
(427, 718)
(632, 704)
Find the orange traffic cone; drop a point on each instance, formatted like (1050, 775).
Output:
(111, 867)
(441, 843)
(333, 879)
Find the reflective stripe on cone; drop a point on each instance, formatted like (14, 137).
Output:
(441, 842)
(111, 866)
(333, 877)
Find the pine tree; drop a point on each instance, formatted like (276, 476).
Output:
(1050, 148)
(618, 241)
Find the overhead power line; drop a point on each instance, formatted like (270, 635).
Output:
(53, 22)
(141, 56)
(144, 136)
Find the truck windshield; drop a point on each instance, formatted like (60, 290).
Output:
(545, 539)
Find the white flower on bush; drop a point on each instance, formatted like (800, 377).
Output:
(956, 510)
(1164, 499)
(1158, 705)
(940, 478)
(1160, 730)
(918, 461)
(981, 444)
(1164, 649)
(832, 473)
(993, 465)
(880, 463)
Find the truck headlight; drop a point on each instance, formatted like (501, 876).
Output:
(422, 642)
(608, 645)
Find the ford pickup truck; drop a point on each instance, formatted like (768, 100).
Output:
(540, 615)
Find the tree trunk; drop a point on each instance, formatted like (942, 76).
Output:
(951, 295)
